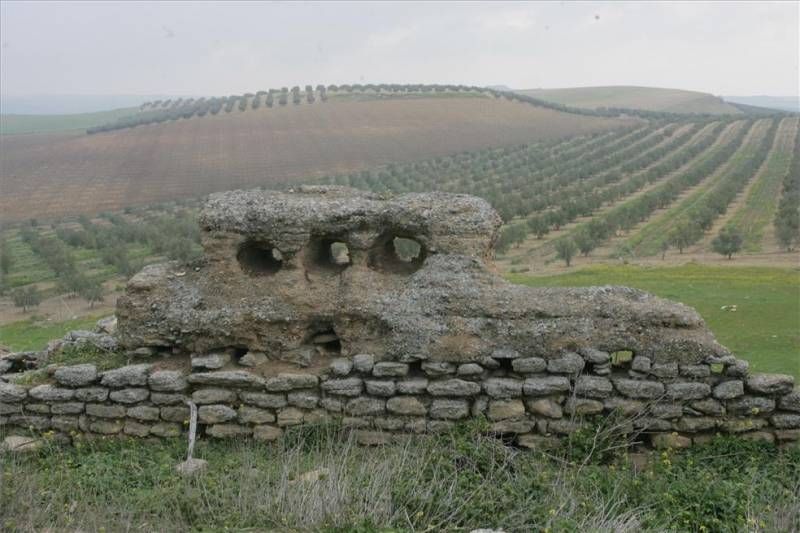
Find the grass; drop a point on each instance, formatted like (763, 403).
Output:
(20, 124)
(452, 482)
(764, 329)
(34, 333)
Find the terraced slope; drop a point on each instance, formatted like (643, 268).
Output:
(646, 98)
(53, 175)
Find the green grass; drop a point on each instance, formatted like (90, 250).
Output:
(452, 482)
(19, 124)
(34, 334)
(765, 328)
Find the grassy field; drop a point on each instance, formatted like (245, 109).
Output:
(21, 124)
(33, 334)
(317, 479)
(764, 329)
(647, 98)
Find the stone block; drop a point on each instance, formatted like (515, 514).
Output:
(254, 415)
(303, 398)
(126, 376)
(260, 399)
(167, 381)
(213, 395)
(363, 362)
(380, 387)
(105, 411)
(593, 387)
(545, 407)
(751, 405)
(49, 393)
(365, 406)
(568, 363)
(228, 431)
(144, 413)
(688, 390)
(287, 382)
(227, 378)
(76, 375)
(215, 414)
(503, 387)
(389, 369)
(449, 409)
(529, 365)
(341, 367)
(11, 392)
(343, 387)
(770, 383)
(454, 387)
(544, 386)
(412, 386)
(437, 369)
(644, 390)
(729, 389)
(290, 416)
(505, 409)
(583, 406)
(469, 369)
(91, 394)
(175, 413)
(129, 396)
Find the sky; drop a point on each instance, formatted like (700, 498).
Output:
(211, 48)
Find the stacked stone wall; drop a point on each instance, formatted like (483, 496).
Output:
(528, 400)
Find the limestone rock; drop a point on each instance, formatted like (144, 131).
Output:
(167, 381)
(21, 444)
(126, 376)
(446, 305)
(76, 375)
(770, 383)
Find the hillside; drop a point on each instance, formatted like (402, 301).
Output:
(13, 124)
(644, 98)
(57, 174)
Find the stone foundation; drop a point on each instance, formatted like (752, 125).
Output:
(524, 399)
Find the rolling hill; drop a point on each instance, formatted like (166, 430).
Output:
(58, 174)
(644, 98)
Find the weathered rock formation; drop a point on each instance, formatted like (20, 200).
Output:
(288, 273)
(386, 313)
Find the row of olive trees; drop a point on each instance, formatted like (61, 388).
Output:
(168, 110)
(60, 260)
(787, 217)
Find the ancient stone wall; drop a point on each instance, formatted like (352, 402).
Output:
(527, 399)
(386, 314)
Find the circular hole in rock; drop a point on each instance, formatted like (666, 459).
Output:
(397, 254)
(328, 254)
(259, 258)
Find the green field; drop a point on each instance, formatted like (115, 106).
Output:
(18, 124)
(33, 334)
(764, 329)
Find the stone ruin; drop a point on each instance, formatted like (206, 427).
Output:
(386, 314)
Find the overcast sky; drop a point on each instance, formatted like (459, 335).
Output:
(725, 48)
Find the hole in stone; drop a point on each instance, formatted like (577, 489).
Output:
(621, 357)
(238, 353)
(397, 254)
(328, 254)
(259, 258)
(326, 341)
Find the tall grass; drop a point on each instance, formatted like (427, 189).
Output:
(318, 479)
